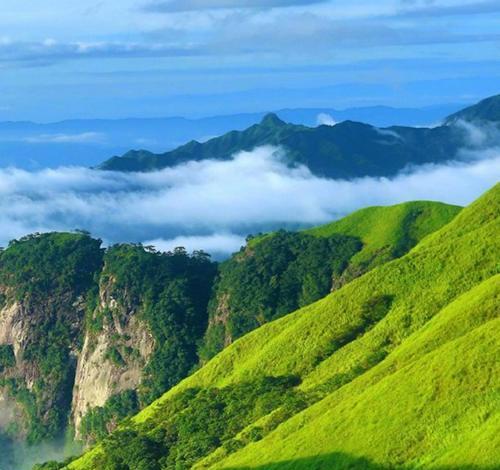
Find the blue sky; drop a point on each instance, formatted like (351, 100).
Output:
(119, 58)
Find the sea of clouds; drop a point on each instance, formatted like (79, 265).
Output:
(213, 205)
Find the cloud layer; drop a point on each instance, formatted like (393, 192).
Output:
(170, 6)
(82, 138)
(212, 205)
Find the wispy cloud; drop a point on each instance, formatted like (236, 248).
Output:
(325, 119)
(83, 138)
(430, 9)
(304, 33)
(218, 244)
(253, 192)
(50, 51)
(170, 6)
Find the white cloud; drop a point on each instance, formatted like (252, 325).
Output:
(215, 203)
(170, 6)
(325, 119)
(217, 243)
(83, 138)
(483, 135)
(37, 53)
(389, 134)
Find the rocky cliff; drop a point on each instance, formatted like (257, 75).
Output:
(80, 326)
(112, 360)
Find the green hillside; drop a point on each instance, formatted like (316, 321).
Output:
(397, 369)
(388, 232)
(280, 272)
(132, 312)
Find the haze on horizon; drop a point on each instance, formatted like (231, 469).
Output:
(146, 58)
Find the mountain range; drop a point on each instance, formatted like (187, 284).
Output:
(369, 343)
(343, 151)
(87, 142)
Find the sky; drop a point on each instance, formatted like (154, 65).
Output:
(150, 58)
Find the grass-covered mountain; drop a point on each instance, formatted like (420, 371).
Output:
(88, 336)
(397, 369)
(346, 150)
(278, 273)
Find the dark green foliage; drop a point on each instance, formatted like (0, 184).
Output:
(486, 110)
(114, 355)
(272, 278)
(129, 449)
(48, 273)
(55, 263)
(371, 313)
(7, 358)
(347, 150)
(52, 465)
(171, 292)
(52, 273)
(98, 422)
(195, 423)
(375, 309)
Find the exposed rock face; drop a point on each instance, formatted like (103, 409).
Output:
(12, 328)
(221, 317)
(86, 329)
(25, 383)
(11, 333)
(98, 376)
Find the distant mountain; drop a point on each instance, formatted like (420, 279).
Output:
(345, 150)
(87, 142)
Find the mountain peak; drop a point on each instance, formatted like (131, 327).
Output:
(272, 120)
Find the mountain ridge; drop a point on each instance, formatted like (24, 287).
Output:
(346, 150)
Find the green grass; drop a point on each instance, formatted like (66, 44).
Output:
(423, 404)
(387, 232)
(412, 384)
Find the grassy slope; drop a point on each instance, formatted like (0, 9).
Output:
(389, 231)
(426, 404)
(439, 346)
(386, 231)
